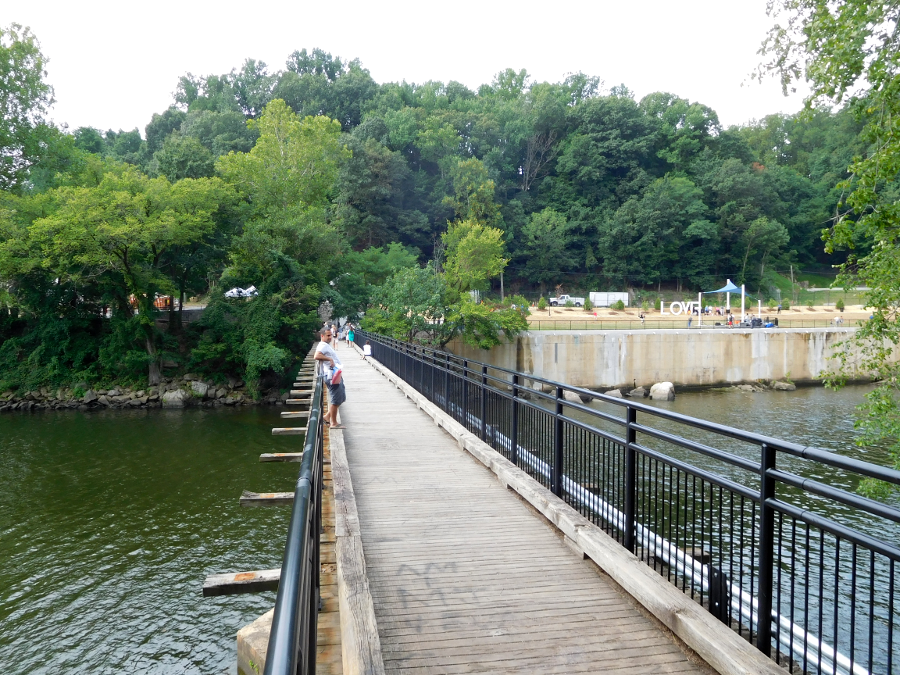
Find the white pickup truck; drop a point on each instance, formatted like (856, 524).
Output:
(563, 299)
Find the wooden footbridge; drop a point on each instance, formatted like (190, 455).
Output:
(440, 555)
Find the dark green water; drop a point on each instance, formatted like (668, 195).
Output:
(109, 523)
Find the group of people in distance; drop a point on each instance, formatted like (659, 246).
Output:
(331, 369)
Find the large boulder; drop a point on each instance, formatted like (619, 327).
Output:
(200, 389)
(615, 393)
(571, 396)
(639, 392)
(175, 399)
(90, 396)
(784, 386)
(662, 391)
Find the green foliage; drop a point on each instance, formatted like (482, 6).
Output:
(474, 255)
(547, 240)
(785, 303)
(24, 99)
(849, 49)
(618, 305)
(542, 303)
(588, 305)
(839, 305)
(569, 303)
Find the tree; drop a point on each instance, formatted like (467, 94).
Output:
(293, 164)
(474, 255)
(287, 248)
(24, 99)
(546, 246)
(184, 157)
(849, 49)
(126, 226)
(473, 197)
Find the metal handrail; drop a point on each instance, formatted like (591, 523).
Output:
(292, 640)
(767, 557)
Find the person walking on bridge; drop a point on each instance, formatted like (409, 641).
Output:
(332, 373)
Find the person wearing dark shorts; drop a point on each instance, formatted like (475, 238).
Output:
(331, 370)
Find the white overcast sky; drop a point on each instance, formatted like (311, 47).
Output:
(113, 64)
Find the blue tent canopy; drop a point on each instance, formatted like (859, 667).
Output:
(727, 288)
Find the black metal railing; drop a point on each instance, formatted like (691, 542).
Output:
(748, 526)
(292, 640)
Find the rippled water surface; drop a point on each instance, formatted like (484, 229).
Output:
(110, 521)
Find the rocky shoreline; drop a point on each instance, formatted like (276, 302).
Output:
(172, 392)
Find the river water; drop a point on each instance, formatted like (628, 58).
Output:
(109, 522)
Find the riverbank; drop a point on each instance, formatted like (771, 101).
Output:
(172, 392)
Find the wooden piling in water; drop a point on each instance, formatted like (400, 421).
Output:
(242, 582)
(289, 431)
(281, 457)
(266, 498)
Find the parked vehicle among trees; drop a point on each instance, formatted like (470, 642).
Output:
(565, 299)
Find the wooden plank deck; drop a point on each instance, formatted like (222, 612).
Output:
(464, 576)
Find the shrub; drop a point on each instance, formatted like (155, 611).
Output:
(839, 305)
(785, 304)
(618, 305)
(588, 305)
(542, 303)
(645, 306)
(569, 303)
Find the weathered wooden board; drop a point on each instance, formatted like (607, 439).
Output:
(301, 392)
(298, 401)
(281, 457)
(266, 498)
(231, 583)
(289, 431)
(292, 415)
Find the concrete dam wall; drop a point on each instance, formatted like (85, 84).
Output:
(707, 357)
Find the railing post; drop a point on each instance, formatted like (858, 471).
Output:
(465, 415)
(432, 397)
(556, 484)
(483, 402)
(630, 479)
(514, 434)
(447, 382)
(766, 551)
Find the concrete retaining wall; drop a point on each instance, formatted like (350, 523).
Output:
(708, 357)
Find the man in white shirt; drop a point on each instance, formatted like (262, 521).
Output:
(331, 370)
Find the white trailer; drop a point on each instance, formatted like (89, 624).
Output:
(601, 299)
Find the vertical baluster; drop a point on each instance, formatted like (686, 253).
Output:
(556, 484)
(483, 401)
(514, 433)
(766, 551)
(630, 478)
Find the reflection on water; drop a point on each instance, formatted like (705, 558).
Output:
(109, 523)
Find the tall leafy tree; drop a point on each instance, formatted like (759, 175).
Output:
(849, 49)
(546, 246)
(24, 100)
(125, 228)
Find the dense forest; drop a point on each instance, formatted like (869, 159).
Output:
(315, 183)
